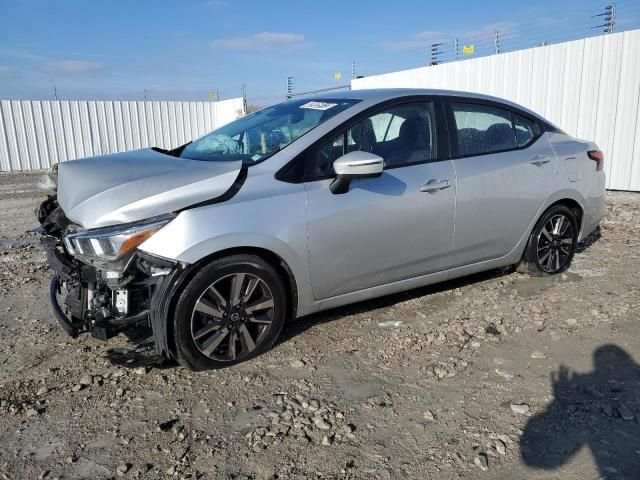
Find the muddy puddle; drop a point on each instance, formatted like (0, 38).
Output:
(532, 286)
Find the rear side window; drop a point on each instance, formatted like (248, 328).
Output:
(483, 129)
(527, 130)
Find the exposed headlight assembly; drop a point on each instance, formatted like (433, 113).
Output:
(112, 243)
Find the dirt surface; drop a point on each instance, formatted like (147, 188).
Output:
(499, 375)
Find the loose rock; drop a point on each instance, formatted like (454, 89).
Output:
(625, 412)
(482, 461)
(122, 469)
(322, 424)
(520, 408)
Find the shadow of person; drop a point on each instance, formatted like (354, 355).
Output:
(599, 410)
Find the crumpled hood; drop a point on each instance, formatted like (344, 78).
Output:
(127, 187)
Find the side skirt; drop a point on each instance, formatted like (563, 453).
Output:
(408, 284)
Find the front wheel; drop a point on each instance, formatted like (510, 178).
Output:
(230, 311)
(552, 243)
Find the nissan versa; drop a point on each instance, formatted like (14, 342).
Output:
(308, 205)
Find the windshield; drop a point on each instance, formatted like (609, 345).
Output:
(257, 136)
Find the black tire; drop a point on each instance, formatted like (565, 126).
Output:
(540, 244)
(188, 352)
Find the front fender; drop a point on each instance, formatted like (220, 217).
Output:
(276, 224)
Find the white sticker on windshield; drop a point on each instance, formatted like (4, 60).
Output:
(318, 105)
(256, 157)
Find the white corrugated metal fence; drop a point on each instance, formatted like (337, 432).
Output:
(590, 88)
(36, 134)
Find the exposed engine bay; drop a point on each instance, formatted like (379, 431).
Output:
(102, 298)
(97, 212)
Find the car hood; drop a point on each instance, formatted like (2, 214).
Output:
(127, 187)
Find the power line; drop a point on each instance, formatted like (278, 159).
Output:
(289, 87)
(563, 26)
(609, 17)
(435, 53)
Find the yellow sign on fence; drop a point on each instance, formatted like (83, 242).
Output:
(468, 49)
(338, 76)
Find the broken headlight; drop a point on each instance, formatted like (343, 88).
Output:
(111, 243)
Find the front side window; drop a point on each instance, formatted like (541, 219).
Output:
(483, 129)
(402, 135)
(257, 136)
(326, 155)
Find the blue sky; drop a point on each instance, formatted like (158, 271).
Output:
(185, 49)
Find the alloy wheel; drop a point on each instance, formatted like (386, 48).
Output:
(555, 243)
(232, 317)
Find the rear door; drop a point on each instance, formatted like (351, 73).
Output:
(389, 228)
(504, 167)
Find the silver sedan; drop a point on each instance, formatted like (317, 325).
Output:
(308, 205)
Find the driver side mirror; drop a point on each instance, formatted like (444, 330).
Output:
(355, 165)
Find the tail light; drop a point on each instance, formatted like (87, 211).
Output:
(598, 156)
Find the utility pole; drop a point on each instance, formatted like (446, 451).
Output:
(496, 41)
(145, 94)
(55, 92)
(353, 70)
(243, 90)
(456, 49)
(609, 14)
(434, 53)
(289, 87)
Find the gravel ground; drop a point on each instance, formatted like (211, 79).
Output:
(499, 375)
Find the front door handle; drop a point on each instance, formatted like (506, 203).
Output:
(435, 185)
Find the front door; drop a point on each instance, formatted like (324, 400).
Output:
(385, 229)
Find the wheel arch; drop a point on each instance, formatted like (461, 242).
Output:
(525, 258)
(571, 198)
(573, 202)
(572, 205)
(276, 261)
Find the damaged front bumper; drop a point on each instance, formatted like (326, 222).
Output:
(105, 300)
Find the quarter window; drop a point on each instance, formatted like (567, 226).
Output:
(527, 130)
(402, 135)
(483, 129)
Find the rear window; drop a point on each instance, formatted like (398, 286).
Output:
(483, 129)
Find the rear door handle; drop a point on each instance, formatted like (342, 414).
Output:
(435, 185)
(539, 163)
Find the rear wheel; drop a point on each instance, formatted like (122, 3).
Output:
(232, 310)
(552, 243)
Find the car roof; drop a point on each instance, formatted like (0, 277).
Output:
(382, 94)
(390, 93)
